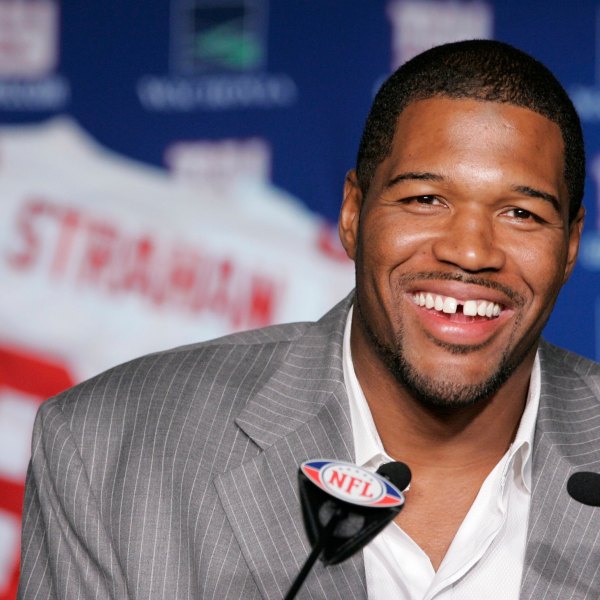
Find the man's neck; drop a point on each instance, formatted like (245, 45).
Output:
(450, 450)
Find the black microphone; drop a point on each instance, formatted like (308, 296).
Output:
(584, 487)
(398, 473)
(344, 507)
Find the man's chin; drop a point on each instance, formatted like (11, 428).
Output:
(449, 395)
(448, 392)
(461, 384)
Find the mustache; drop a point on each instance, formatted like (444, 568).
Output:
(515, 297)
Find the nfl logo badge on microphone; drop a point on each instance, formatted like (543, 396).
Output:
(352, 484)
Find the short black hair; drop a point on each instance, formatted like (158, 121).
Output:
(485, 70)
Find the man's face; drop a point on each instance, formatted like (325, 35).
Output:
(461, 245)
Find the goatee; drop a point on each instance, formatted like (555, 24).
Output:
(437, 393)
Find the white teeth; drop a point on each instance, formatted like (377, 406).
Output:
(449, 305)
(481, 307)
(470, 308)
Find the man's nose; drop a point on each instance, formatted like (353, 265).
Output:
(469, 241)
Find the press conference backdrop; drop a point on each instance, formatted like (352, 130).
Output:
(170, 171)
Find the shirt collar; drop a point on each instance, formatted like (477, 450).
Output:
(369, 450)
(521, 448)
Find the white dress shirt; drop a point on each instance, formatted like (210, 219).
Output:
(485, 559)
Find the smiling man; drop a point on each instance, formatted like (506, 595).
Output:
(175, 475)
(464, 222)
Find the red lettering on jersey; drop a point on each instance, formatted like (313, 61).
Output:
(84, 250)
(99, 253)
(262, 302)
(29, 238)
(68, 221)
(136, 277)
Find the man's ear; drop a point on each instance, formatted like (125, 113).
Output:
(350, 214)
(575, 229)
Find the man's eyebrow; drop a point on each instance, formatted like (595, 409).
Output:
(533, 193)
(412, 175)
(521, 189)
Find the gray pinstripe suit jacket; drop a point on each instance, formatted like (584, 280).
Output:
(174, 476)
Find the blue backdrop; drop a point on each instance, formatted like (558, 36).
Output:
(299, 75)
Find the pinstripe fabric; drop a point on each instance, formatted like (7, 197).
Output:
(175, 475)
(563, 548)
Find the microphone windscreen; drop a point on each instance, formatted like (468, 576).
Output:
(397, 473)
(585, 488)
(358, 502)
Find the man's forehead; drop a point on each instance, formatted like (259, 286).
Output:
(417, 115)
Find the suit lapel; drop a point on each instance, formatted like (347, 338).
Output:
(563, 547)
(300, 413)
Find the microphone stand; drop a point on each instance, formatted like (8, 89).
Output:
(324, 538)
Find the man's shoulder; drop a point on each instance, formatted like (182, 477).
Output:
(560, 362)
(217, 362)
(232, 367)
(187, 399)
(227, 349)
(184, 398)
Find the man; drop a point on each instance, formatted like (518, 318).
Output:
(175, 475)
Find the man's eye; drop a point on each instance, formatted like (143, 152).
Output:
(521, 213)
(427, 200)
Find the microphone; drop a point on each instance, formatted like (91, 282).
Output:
(344, 507)
(584, 487)
(397, 473)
